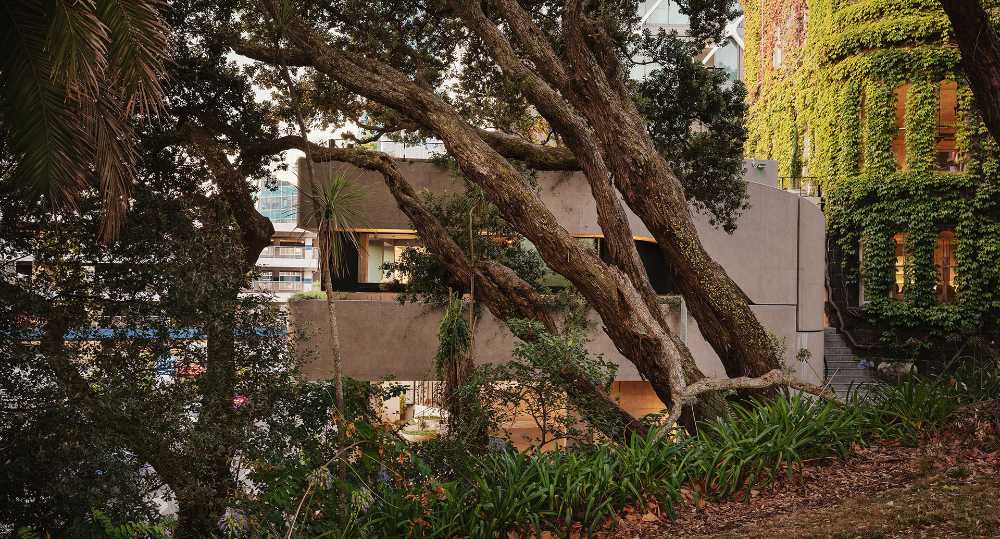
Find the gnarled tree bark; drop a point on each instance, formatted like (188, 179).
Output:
(979, 43)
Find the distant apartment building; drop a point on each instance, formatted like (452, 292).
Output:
(666, 15)
(290, 264)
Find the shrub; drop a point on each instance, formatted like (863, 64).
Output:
(763, 439)
(908, 410)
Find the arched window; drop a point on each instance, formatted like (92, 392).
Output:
(944, 262)
(900, 281)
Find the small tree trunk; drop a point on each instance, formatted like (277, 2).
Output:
(197, 514)
(338, 366)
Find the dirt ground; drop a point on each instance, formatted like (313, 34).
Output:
(947, 487)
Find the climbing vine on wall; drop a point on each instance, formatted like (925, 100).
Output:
(837, 90)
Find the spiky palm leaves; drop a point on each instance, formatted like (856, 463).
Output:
(334, 208)
(73, 75)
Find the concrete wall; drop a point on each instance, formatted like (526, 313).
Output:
(381, 338)
(776, 256)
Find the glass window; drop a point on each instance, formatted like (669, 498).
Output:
(944, 261)
(280, 205)
(384, 249)
(727, 57)
(946, 151)
(902, 261)
(668, 12)
(899, 142)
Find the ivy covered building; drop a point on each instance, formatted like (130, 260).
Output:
(865, 101)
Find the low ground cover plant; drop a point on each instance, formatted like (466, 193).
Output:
(585, 488)
(443, 489)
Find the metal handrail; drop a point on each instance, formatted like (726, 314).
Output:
(841, 326)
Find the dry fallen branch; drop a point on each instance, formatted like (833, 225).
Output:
(773, 378)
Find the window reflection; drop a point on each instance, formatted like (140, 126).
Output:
(944, 262)
(902, 261)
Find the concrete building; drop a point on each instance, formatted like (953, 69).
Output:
(290, 264)
(776, 256)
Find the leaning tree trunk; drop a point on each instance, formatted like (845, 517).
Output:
(652, 190)
(979, 43)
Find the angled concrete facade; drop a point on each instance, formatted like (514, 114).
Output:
(776, 256)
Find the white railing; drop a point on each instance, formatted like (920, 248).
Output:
(275, 251)
(281, 286)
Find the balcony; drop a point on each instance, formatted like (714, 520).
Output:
(288, 257)
(281, 286)
(276, 251)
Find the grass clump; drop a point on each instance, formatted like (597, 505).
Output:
(765, 439)
(307, 295)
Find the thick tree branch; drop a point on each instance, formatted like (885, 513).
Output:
(578, 137)
(652, 190)
(980, 46)
(255, 229)
(535, 43)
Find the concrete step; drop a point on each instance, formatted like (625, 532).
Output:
(843, 377)
(851, 365)
(843, 370)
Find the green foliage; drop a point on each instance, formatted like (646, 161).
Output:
(762, 440)
(72, 78)
(297, 450)
(695, 116)
(911, 409)
(101, 525)
(454, 337)
(476, 226)
(499, 492)
(305, 296)
(139, 396)
(531, 384)
(837, 84)
(528, 492)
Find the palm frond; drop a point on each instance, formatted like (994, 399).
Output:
(73, 74)
(114, 160)
(77, 45)
(138, 50)
(335, 209)
(49, 145)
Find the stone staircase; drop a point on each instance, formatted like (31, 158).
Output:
(844, 370)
